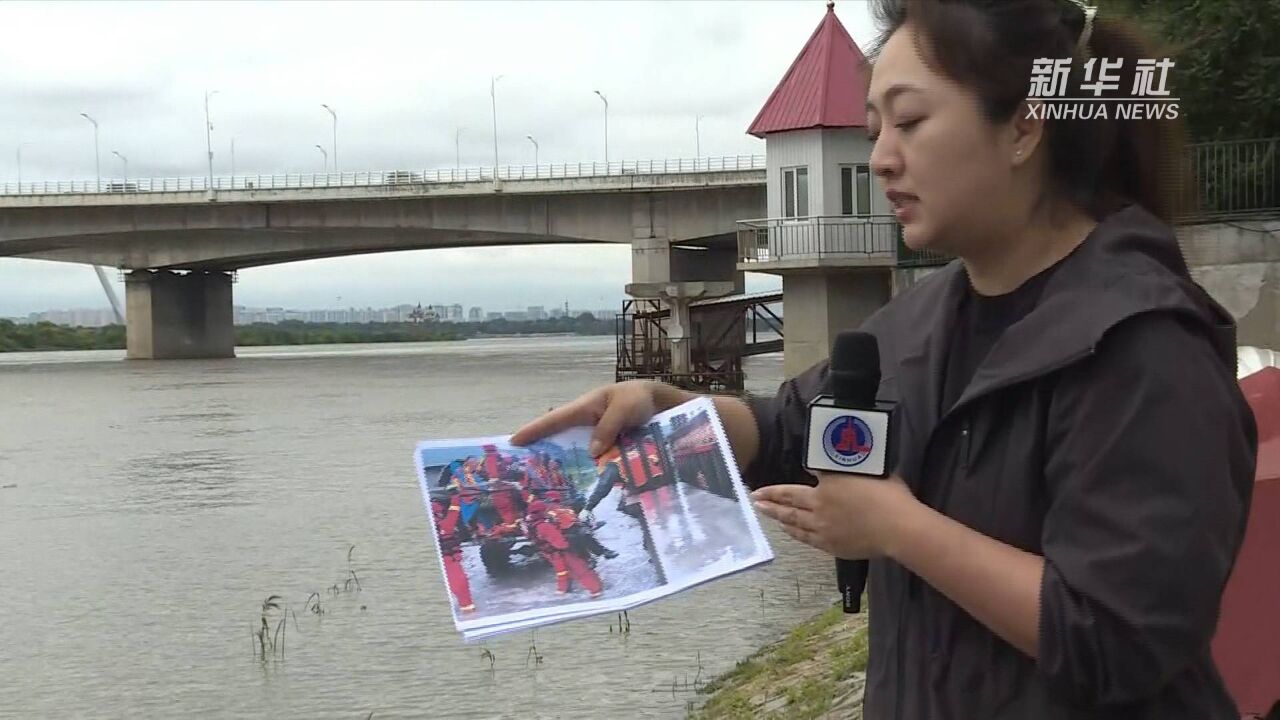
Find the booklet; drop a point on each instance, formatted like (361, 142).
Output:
(528, 536)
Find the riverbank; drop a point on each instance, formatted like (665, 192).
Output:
(817, 671)
(44, 336)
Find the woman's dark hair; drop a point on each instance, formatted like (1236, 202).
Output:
(990, 47)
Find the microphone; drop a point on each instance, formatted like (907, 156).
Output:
(849, 433)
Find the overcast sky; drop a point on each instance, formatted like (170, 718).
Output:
(402, 77)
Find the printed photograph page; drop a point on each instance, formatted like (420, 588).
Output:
(527, 536)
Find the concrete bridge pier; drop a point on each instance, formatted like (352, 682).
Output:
(821, 302)
(678, 276)
(176, 316)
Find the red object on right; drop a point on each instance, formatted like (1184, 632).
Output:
(1246, 647)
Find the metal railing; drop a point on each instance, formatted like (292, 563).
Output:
(386, 178)
(818, 237)
(1234, 178)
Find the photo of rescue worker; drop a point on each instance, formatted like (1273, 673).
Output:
(509, 532)
(522, 529)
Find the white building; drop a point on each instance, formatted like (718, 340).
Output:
(829, 233)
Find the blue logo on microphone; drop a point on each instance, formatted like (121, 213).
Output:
(847, 441)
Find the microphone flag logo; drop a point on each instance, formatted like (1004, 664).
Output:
(847, 440)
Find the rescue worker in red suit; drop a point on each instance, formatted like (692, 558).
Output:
(508, 504)
(560, 489)
(609, 474)
(578, 534)
(527, 476)
(495, 463)
(569, 565)
(447, 511)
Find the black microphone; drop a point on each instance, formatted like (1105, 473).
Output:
(849, 433)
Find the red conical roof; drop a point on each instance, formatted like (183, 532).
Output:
(825, 86)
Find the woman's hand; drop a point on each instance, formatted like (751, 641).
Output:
(849, 516)
(611, 409)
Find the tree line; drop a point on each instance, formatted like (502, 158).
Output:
(48, 336)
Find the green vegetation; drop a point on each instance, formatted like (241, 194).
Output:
(817, 669)
(300, 333)
(1228, 70)
(47, 336)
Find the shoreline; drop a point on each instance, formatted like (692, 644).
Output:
(366, 341)
(817, 671)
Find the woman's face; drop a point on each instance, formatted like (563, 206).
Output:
(946, 170)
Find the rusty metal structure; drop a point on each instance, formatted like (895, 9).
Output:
(724, 331)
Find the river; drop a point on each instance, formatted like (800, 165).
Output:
(148, 509)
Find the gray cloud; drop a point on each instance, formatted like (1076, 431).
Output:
(402, 78)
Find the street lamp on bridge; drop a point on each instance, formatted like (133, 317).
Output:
(326, 157)
(606, 128)
(493, 98)
(20, 146)
(208, 133)
(97, 162)
(125, 160)
(457, 148)
(697, 135)
(335, 135)
(535, 152)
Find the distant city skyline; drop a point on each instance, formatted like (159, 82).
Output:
(402, 312)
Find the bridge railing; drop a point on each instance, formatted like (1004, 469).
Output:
(383, 178)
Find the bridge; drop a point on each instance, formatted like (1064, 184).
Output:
(687, 221)
(180, 238)
(231, 223)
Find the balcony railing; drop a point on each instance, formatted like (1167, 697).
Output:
(825, 238)
(1234, 179)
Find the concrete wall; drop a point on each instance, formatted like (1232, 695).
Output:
(1239, 265)
(172, 316)
(708, 265)
(793, 149)
(842, 147)
(1251, 293)
(823, 151)
(822, 303)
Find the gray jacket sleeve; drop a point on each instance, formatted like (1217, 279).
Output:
(1151, 453)
(781, 421)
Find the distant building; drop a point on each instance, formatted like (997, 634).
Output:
(403, 313)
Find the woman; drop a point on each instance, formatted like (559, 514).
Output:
(1075, 457)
